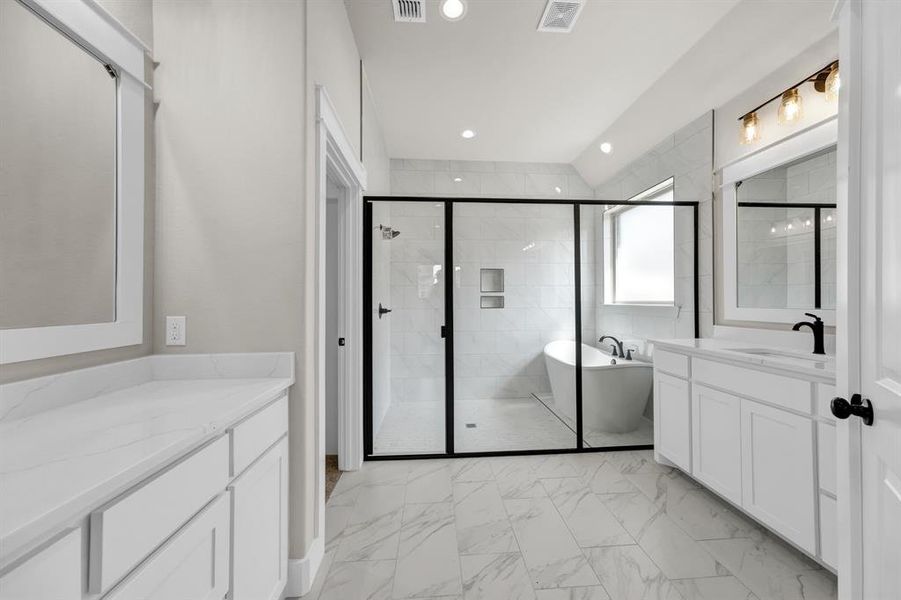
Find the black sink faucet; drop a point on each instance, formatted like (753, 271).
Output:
(617, 345)
(817, 328)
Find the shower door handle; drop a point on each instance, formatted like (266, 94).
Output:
(443, 331)
(383, 310)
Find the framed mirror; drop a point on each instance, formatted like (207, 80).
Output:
(71, 180)
(779, 230)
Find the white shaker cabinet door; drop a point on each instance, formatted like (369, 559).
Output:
(54, 572)
(192, 565)
(672, 419)
(778, 471)
(716, 440)
(260, 527)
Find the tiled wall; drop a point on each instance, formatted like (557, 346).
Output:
(486, 179)
(499, 351)
(687, 156)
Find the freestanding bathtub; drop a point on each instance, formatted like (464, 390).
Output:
(614, 396)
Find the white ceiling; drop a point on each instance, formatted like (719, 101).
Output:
(530, 96)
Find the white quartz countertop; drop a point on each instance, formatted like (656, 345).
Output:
(787, 360)
(58, 464)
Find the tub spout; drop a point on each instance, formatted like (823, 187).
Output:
(618, 345)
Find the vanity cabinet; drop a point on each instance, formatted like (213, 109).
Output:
(758, 437)
(54, 572)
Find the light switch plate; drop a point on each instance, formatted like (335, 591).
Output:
(175, 331)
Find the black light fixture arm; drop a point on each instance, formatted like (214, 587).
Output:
(813, 77)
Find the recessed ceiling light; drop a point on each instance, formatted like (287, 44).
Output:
(468, 134)
(458, 179)
(606, 147)
(453, 10)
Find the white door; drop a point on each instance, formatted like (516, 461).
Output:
(870, 514)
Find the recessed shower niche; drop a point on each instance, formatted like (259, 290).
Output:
(489, 348)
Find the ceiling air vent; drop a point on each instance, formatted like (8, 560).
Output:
(409, 11)
(560, 15)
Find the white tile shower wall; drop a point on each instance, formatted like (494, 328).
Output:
(687, 156)
(415, 294)
(499, 352)
(486, 179)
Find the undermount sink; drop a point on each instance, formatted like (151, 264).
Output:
(785, 356)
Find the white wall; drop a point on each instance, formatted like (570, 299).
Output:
(687, 156)
(231, 172)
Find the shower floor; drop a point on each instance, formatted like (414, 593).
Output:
(491, 425)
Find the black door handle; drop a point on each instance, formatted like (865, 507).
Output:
(383, 310)
(842, 409)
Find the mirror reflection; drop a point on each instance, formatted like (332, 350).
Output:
(786, 221)
(57, 177)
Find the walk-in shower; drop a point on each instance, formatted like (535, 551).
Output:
(497, 306)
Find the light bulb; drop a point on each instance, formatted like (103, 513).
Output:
(790, 107)
(606, 147)
(833, 83)
(468, 134)
(772, 230)
(458, 179)
(750, 129)
(453, 10)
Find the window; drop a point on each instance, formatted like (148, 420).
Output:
(639, 250)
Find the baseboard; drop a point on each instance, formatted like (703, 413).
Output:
(302, 571)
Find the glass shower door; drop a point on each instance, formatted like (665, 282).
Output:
(407, 342)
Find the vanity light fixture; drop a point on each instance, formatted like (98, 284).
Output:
(606, 147)
(467, 134)
(557, 189)
(453, 10)
(791, 109)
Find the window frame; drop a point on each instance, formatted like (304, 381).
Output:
(651, 194)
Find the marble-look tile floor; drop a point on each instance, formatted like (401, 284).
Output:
(598, 526)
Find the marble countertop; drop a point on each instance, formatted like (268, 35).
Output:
(59, 464)
(789, 361)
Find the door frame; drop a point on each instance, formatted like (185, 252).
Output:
(448, 203)
(848, 321)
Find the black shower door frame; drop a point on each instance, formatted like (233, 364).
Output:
(449, 203)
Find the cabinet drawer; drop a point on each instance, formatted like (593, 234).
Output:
(828, 531)
(129, 528)
(775, 389)
(672, 419)
(716, 440)
(252, 436)
(54, 572)
(670, 362)
(193, 565)
(827, 468)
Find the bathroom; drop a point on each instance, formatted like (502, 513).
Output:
(458, 299)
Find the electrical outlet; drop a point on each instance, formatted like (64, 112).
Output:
(175, 331)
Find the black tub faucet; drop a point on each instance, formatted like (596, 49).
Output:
(617, 345)
(817, 328)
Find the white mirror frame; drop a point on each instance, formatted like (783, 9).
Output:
(808, 141)
(102, 35)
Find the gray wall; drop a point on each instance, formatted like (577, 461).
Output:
(136, 14)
